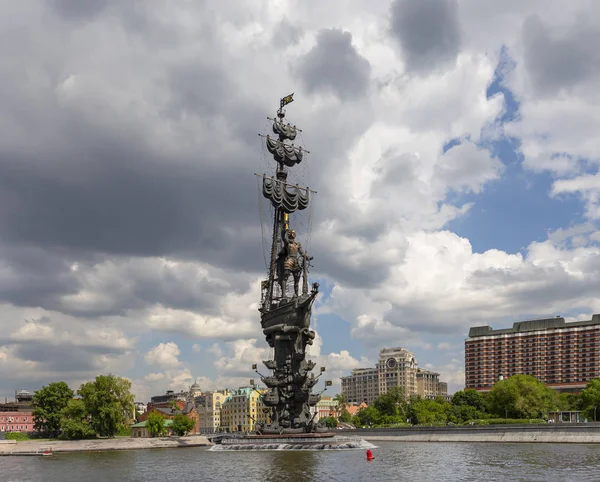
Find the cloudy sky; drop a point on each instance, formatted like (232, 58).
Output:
(453, 147)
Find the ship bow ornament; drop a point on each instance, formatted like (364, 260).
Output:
(286, 301)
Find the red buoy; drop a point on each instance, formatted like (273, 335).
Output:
(369, 455)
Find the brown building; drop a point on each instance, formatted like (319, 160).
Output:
(169, 413)
(564, 356)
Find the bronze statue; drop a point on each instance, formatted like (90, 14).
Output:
(289, 261)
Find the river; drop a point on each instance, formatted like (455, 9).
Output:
(394, 461)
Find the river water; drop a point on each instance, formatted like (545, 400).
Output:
(394, 461)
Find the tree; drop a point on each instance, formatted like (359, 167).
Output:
(469, 397)
(182, 424)
(48, 403)
(345, 416)
(590, 399)
(109, 402)
(331, 422)
(342, 401)
(391, 403)
(155, 424)
(74, 421)
(467, 405)
(426, 411)
(368, 417)
(521, 396)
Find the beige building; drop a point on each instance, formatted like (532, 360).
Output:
(326, 407)
(242, 409)
(397, 367)
(429, 385)
(210, 411)
(361, 386)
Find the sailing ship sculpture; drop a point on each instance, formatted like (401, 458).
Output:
(285, 305)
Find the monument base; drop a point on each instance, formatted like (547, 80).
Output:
(305, 441)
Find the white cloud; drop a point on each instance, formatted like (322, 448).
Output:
(164, 355)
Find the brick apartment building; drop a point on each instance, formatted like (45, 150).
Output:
(564, 356)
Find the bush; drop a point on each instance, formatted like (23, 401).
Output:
(509, 421)
(16, 436)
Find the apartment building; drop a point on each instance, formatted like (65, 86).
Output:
(429, 385)
(361, 386)
(210, 411)
(242, 409)
(564, 356)
(397, 367)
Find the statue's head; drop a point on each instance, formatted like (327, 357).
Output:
(292, 233)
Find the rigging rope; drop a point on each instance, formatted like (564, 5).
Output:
(262, 224)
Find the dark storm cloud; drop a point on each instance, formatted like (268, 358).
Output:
(428, 32)
(558, 61)
(334, 65)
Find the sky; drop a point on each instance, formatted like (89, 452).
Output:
(453, 148)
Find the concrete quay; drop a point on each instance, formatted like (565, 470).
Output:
(583, 433)
(38, 447)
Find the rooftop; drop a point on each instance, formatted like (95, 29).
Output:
(533, 325)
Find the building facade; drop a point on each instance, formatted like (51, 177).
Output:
(562, 355)
(397, 367)
(17, 416)
(327, 407)
(361, 386)
(242, 409)
(209, 410)
(429, 385)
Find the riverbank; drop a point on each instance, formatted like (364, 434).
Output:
(586, 433)
(101, 445)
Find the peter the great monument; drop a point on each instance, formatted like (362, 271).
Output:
(285, 312)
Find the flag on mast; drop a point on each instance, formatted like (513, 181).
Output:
(288, 99)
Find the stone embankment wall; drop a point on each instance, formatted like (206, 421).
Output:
(125, 443)
(550, 433)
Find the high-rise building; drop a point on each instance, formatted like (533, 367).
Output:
(562, 355)
(429, 385)
(361, 386)
(397, 367)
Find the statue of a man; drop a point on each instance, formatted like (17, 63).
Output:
(292, 250)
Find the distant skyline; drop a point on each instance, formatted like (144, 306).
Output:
(453, 147)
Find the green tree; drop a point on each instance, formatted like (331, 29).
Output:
(469, 397)
(590, 399)
(467, 405)
(48, 403)
(331, 422)
(342, 401)
(368, 417)
(109, 402)
(182, 424)
(74, 421)
(521, 396)
(392, 403)
(427, 411)
(155, 424)
(345, 416)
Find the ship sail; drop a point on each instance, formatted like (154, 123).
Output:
(290, 199)
(287, 154)
(284, 131)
